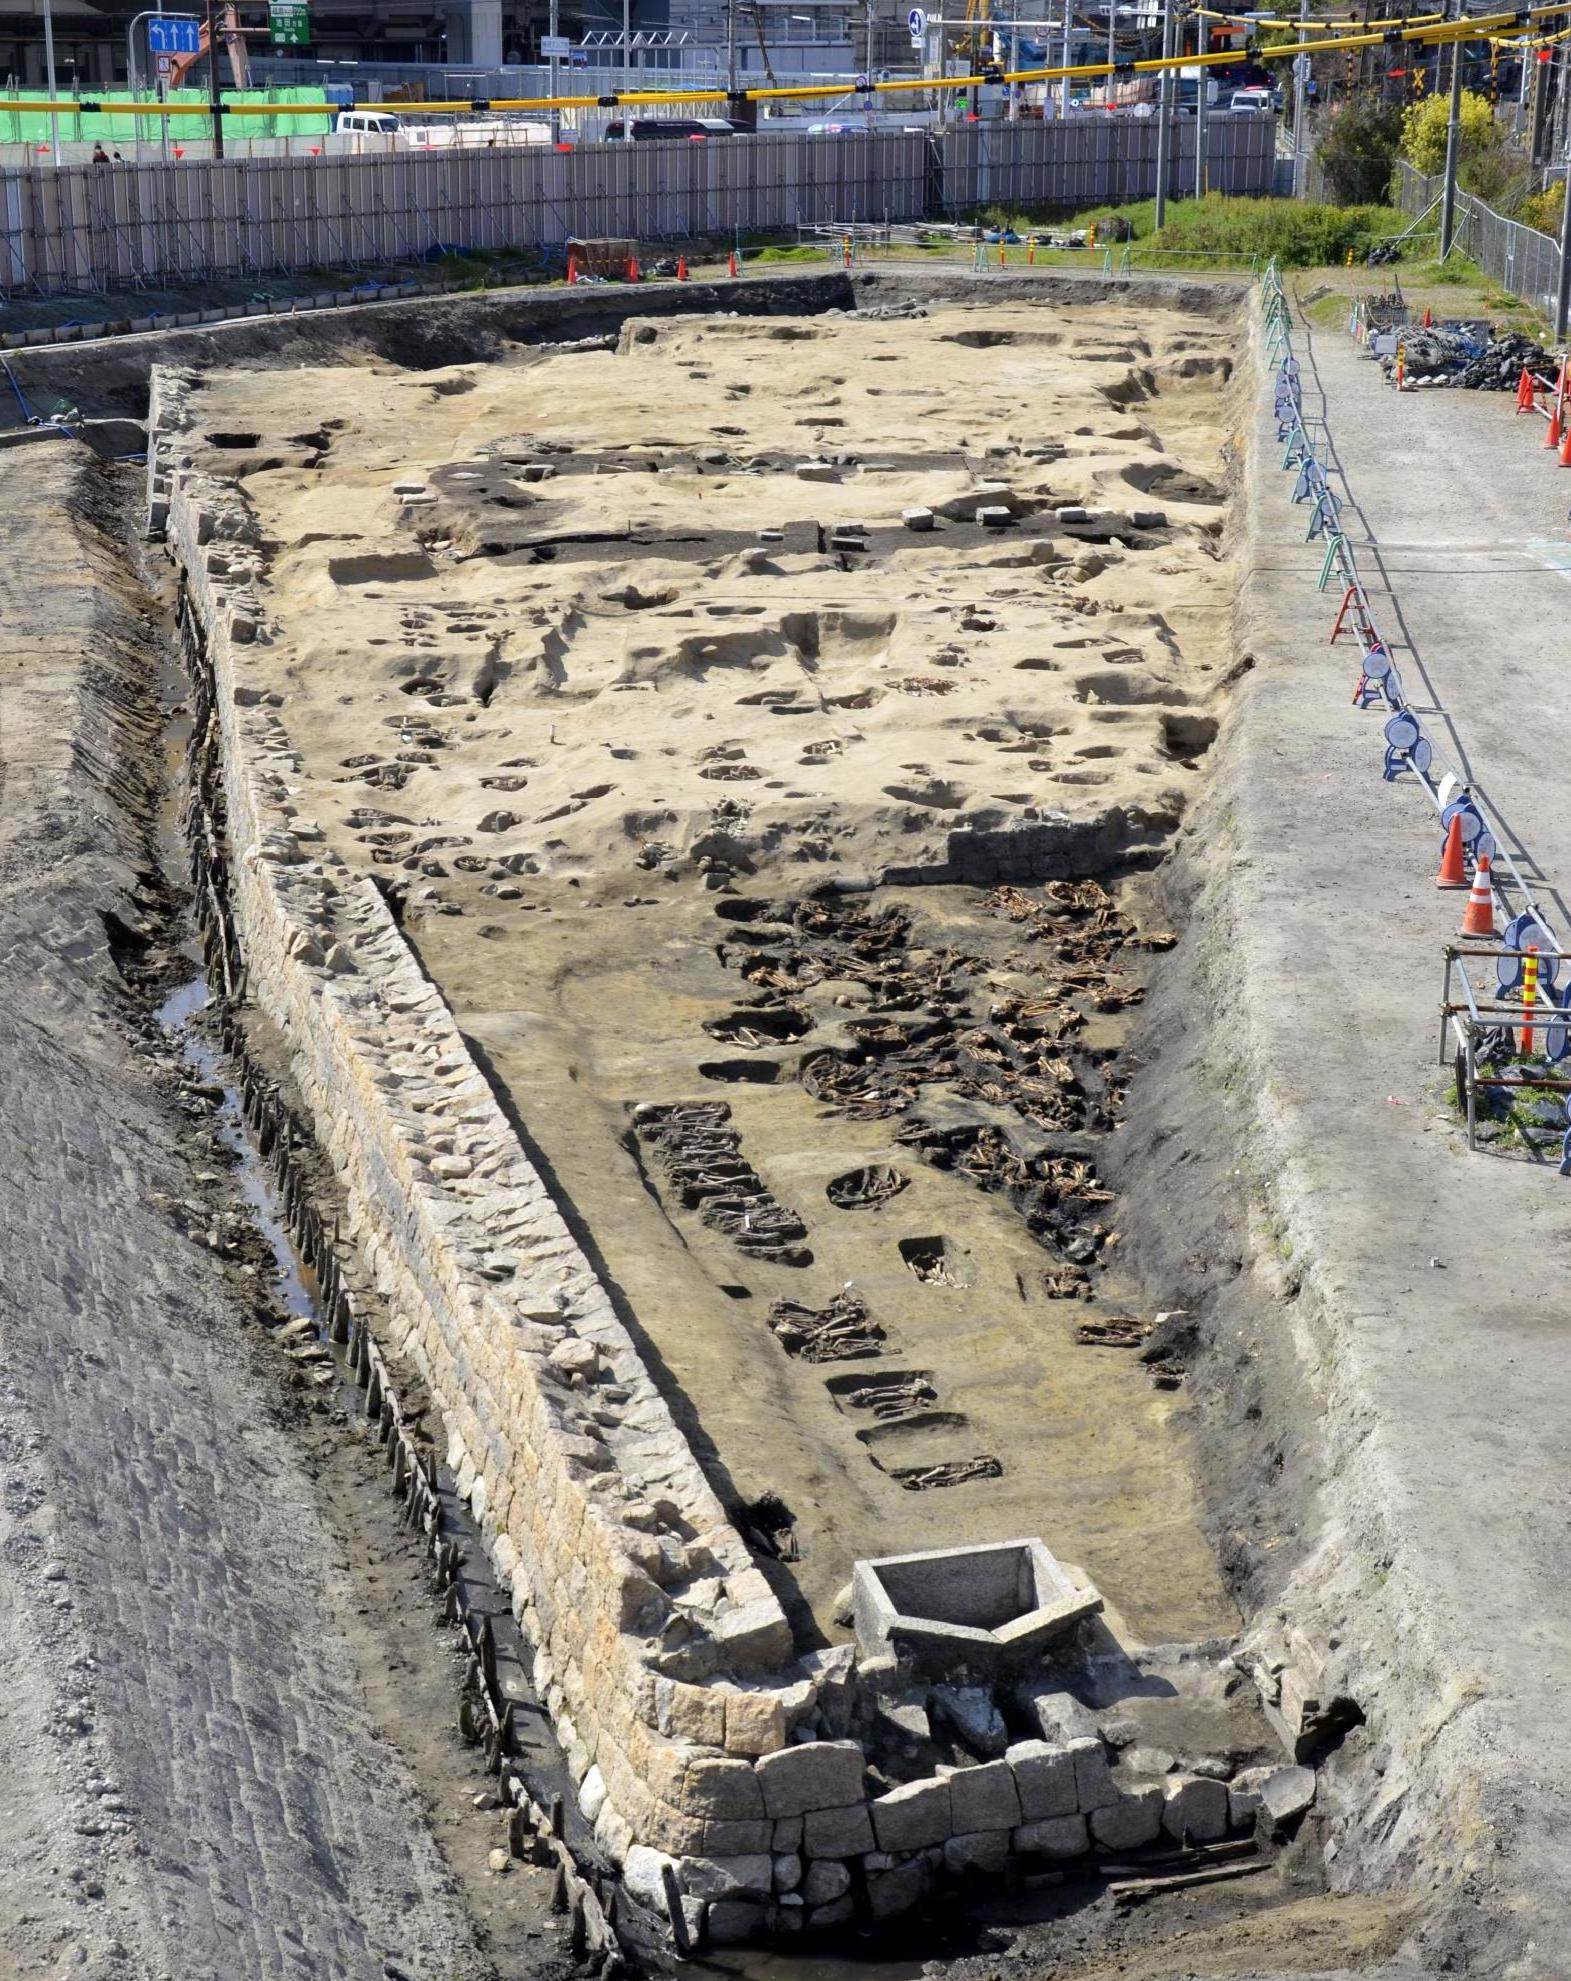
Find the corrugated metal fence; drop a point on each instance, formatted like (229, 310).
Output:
(100, 228)
(1096, 159)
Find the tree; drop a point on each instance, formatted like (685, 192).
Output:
(1357, 151)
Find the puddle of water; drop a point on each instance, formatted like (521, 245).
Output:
(834, 1963)
(177, 1015)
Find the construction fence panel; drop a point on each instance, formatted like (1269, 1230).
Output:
(83, 228)
(1524, 262)
(1098, 161)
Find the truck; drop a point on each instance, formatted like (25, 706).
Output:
(1137, 95)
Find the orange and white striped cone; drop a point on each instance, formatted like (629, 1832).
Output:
(1478, 918)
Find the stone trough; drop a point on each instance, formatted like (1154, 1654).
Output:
(987, 1610)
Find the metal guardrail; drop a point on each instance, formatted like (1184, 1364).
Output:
(1510, 1030)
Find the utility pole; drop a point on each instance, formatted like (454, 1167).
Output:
(627, 69)
(868, 71)
(1563, 286)
(1063, 94)
(1162, 101)
(1453, 148)
(556, 73)
(730, 49)
(1300, 102)
(1202, 107)
(49, 80)
(215, 101)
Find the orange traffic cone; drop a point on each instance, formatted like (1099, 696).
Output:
(1565, 447)
(1478, 918)
(1429, 319)
(731, 263)
(632, 268)
(1453, 871)
(681, 268)
(1553, 437)
(1524, 391)
(572, 269)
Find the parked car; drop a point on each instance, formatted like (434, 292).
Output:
(1253, 99)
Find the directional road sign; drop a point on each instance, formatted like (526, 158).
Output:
(289, 22)
(174, 34)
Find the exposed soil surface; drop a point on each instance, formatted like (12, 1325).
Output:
(855, 1163)
(579, 662)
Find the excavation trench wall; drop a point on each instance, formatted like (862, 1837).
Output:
(111, 375)
(705, 1756)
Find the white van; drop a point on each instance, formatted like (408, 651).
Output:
(1252, 99)
(370, 130)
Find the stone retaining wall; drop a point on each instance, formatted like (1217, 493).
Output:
(725, 1778)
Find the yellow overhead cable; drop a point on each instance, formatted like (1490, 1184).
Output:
(1434, 32)
(1292, 20)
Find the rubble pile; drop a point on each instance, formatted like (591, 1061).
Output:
(1458, 354)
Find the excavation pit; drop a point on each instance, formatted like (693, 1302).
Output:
(634, 883)
(763, 1008)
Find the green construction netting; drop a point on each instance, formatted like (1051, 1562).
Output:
(20, 125)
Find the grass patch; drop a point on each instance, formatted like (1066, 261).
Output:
(1221, 231)
(770, 257)
(1455, 272)
(1297, 234)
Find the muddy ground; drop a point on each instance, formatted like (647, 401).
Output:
(228, 1715)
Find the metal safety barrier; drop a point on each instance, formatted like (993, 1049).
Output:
(1506, 1004)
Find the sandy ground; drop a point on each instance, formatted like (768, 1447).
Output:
(579, 663)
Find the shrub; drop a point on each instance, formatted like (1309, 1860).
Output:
(1424, 131)
(1543, 210)
(1298, 234)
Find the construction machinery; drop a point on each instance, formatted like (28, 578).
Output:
(231, 35)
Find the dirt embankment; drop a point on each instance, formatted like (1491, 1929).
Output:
(211, 1767)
